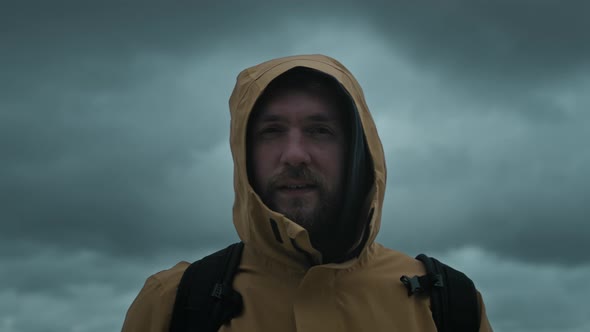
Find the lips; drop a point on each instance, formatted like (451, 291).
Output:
(296, 188)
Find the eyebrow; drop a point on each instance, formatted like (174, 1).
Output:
(277, 118)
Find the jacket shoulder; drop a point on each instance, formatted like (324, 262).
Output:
(401, 263)
(152, 308)
(398, 262)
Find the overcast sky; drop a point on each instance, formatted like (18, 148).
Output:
(115, 160)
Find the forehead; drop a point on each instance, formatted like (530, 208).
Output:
(299, 105)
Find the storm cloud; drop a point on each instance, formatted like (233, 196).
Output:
(115, 160)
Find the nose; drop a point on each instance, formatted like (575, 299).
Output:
(295, 152)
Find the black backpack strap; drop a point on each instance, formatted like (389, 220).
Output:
(453, 297)
(205, 299)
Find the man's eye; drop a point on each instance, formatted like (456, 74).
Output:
(269, 131)
(321, 131)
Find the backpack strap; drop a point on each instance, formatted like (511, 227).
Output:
(453, 297)
(205, 299)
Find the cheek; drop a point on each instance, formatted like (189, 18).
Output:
(261, 165)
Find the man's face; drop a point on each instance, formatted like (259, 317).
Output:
(298, 153)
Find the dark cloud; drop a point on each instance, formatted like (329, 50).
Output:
(505, 180)
(513, 42)
(115, 160)
(84, 168)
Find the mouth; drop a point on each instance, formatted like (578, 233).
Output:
(297, 188)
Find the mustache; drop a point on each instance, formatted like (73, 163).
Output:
(301, 173)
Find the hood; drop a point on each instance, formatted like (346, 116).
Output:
(270, 232)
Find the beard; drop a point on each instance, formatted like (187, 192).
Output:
(315, 212)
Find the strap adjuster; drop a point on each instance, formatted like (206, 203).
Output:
(219, 291)
(423, 284)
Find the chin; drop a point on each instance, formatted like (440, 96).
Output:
(301, 212)
(304, 218)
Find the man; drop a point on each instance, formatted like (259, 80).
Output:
(309, 180)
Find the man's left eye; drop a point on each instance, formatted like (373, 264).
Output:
(320, 131)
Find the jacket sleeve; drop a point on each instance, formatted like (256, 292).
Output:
(484, 325)
(152, 308)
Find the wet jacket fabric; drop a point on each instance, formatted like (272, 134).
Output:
(283, 281)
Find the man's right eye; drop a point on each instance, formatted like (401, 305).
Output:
(269, 131)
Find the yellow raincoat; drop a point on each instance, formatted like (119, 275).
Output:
(285, 286)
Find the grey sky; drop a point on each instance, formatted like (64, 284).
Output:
(115, 158)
